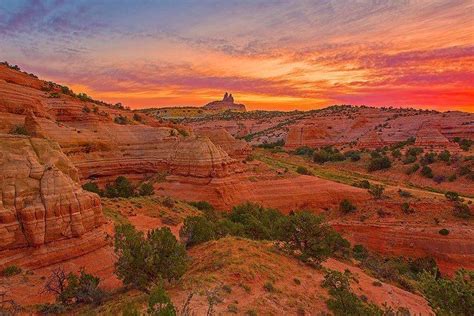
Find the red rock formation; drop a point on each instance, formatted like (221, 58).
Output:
(227, 103)
(370, 140)
(429, 137)
(237, 149)
(414, 240)
(40, 200)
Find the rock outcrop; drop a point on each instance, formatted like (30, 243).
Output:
(40, 199)
(227, 103)
(237, 149)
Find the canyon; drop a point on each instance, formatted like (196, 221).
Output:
(52, 142)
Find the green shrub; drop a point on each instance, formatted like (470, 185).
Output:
(303, 170)
(427, 172)
(327, 154)
(202, 205)
(376, 190)
(445, 156)
(304, 151)
(86, 109)
(269, 287)
(379, 164)
(409, 159)
(19, 130)
(137, 117)
(144, 261)
(196, 230)
(364, 184)
(308, 237)
(414, 151)
(428, 158)
(92, 187)
(343, 301)
(450, 296)
(414, 168)
(452, 196)
(278, 143)
(359, 252)
(352, 155)
(120, 188)
(396, 153)
(146, 189)
(168, 202)
(346, 206)
(11, 271)
(444, 232)
(122, 120)
(406, 208)
(159, 303)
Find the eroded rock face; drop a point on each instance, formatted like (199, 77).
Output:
(237, 149)
(40, 200)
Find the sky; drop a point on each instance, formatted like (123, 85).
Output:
(272, 54)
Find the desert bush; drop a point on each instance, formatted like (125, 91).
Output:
(409, 159)
(19, 130)
(86, 109)
(121, 187)
(379, 164)
(310, 239)
(427, 172)
(159, 303)
(465, 144)
(202, 205)
(376, 190)
(343, 301)
(462, 210)
(444, 232)
(278, 143)
(92, 187)
(11, 271)
(84, 97)
(143, 262)
(168, 202)
(327, 154)
(304, 151)
(353, 155)
(450, 296)
(359, 252)
(137, 117)
(346, 206)
(364, 184)
(414, 151)
(404, 193)
(196, 230)
(428, 158)
(303, 170)
(445, 156)
(146, 189)
(122, 120)
(406, 208)
(70, 288)
(414, 168)
(396, 153)
(452, 196)
(439, 178)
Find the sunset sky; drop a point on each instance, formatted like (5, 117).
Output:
(275, 54)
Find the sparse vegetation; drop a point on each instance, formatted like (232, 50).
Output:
(376, 190)
(303, 170)
(444, 232)
(379, 163)
(450, 296)
(327, 154)
(427, 172)
(19, 130)
(346, 206)
(462, 210)
(145, 262)
(11, 271)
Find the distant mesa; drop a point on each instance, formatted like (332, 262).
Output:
(227, 103)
